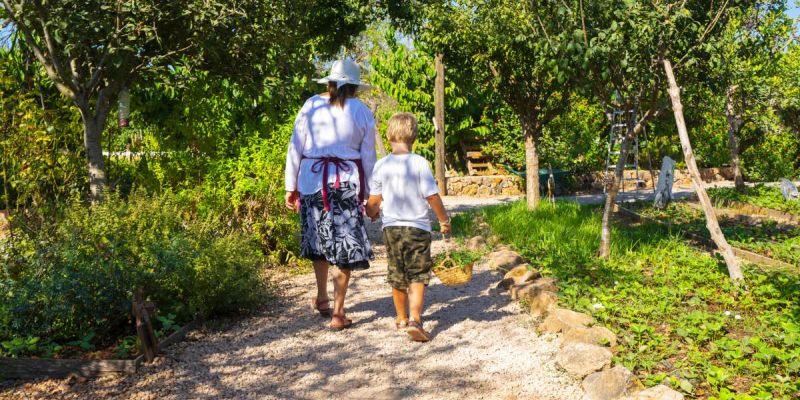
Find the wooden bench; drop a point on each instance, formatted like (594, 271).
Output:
(477, 162)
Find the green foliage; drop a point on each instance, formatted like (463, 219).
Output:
(41, 156)
(679, 318)
(73, 278)
(407, 75)
(460, 258)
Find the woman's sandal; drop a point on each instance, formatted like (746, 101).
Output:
(402, 325)
(339, 322)
(326, 311)
(416, 332)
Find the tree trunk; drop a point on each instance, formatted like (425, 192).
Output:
(611, 196)
(438, 95)
(734, 270)
(93, 144)
(531, 131)
(734, 124)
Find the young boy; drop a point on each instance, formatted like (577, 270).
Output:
(404, 183)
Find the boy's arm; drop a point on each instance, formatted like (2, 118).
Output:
(437, 206)
(374, 206)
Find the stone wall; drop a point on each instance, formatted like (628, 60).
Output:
(595, 180)
(488, 185)
(511, 185)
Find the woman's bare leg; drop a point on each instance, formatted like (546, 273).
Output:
(321, 273)
(341, 279)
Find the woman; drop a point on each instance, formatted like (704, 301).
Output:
(328, 163)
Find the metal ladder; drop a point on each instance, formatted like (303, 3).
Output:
(616, 133)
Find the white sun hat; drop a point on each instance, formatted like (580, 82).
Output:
(344, 72)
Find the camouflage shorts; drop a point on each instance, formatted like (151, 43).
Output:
(409, 252)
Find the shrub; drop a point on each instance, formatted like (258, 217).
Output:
(76, 274)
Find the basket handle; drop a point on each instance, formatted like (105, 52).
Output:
(448, 243)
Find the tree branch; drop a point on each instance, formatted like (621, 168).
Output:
(65, 88)
(51, 49)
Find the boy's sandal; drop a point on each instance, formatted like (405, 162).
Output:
(339, 322)
(401, 325)
(316, 305)
(416, 332)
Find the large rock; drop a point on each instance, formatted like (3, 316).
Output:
(658, 392)
(518, 276)
(561, 320)
(593, 335)
(543, 303)
(476, 243)
(609, 384)
(581, 359)
(532, 287)
(503, 259)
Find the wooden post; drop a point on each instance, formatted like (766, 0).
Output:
(438, 99)
(734, 269)
(378, 138)
(142, 311)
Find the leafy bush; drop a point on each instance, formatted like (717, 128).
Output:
(247, 193)
(75, 275)
(679, 318)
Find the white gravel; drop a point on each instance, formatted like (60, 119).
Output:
(482, 348)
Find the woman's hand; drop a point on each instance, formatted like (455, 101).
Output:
(292, 200)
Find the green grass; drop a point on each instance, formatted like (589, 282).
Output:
(760, 195)
(672, 306)
(781, 242)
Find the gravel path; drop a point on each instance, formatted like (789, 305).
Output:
(483, 348)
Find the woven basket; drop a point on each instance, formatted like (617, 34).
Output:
(452, 274)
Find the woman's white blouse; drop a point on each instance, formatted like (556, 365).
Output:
(325, 130)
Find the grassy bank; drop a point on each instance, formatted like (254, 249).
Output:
(779, 241)
(761, 195)
(679, 318)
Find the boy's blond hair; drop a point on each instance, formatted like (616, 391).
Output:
(402, 128)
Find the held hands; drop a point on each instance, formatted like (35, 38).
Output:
(292, 201)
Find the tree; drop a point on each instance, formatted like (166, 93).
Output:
(405, 71)
(633, 38)
(524, 51)
(91, 50)
(623, 45)
(745, 59)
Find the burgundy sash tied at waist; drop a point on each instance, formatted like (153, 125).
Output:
(321, 165)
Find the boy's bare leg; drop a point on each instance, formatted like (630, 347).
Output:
(416, 300)
(321, 273)
(341, 279)
(400, 297)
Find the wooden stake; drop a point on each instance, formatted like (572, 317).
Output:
(378, 138)
(143, 310)
(438, 99)
(734, 269)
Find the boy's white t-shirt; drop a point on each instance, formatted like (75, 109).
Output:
(404, 181)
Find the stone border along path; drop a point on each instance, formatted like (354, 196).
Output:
(586, 349)
(484, 347)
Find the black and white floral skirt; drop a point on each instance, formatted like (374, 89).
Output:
(338, 236)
